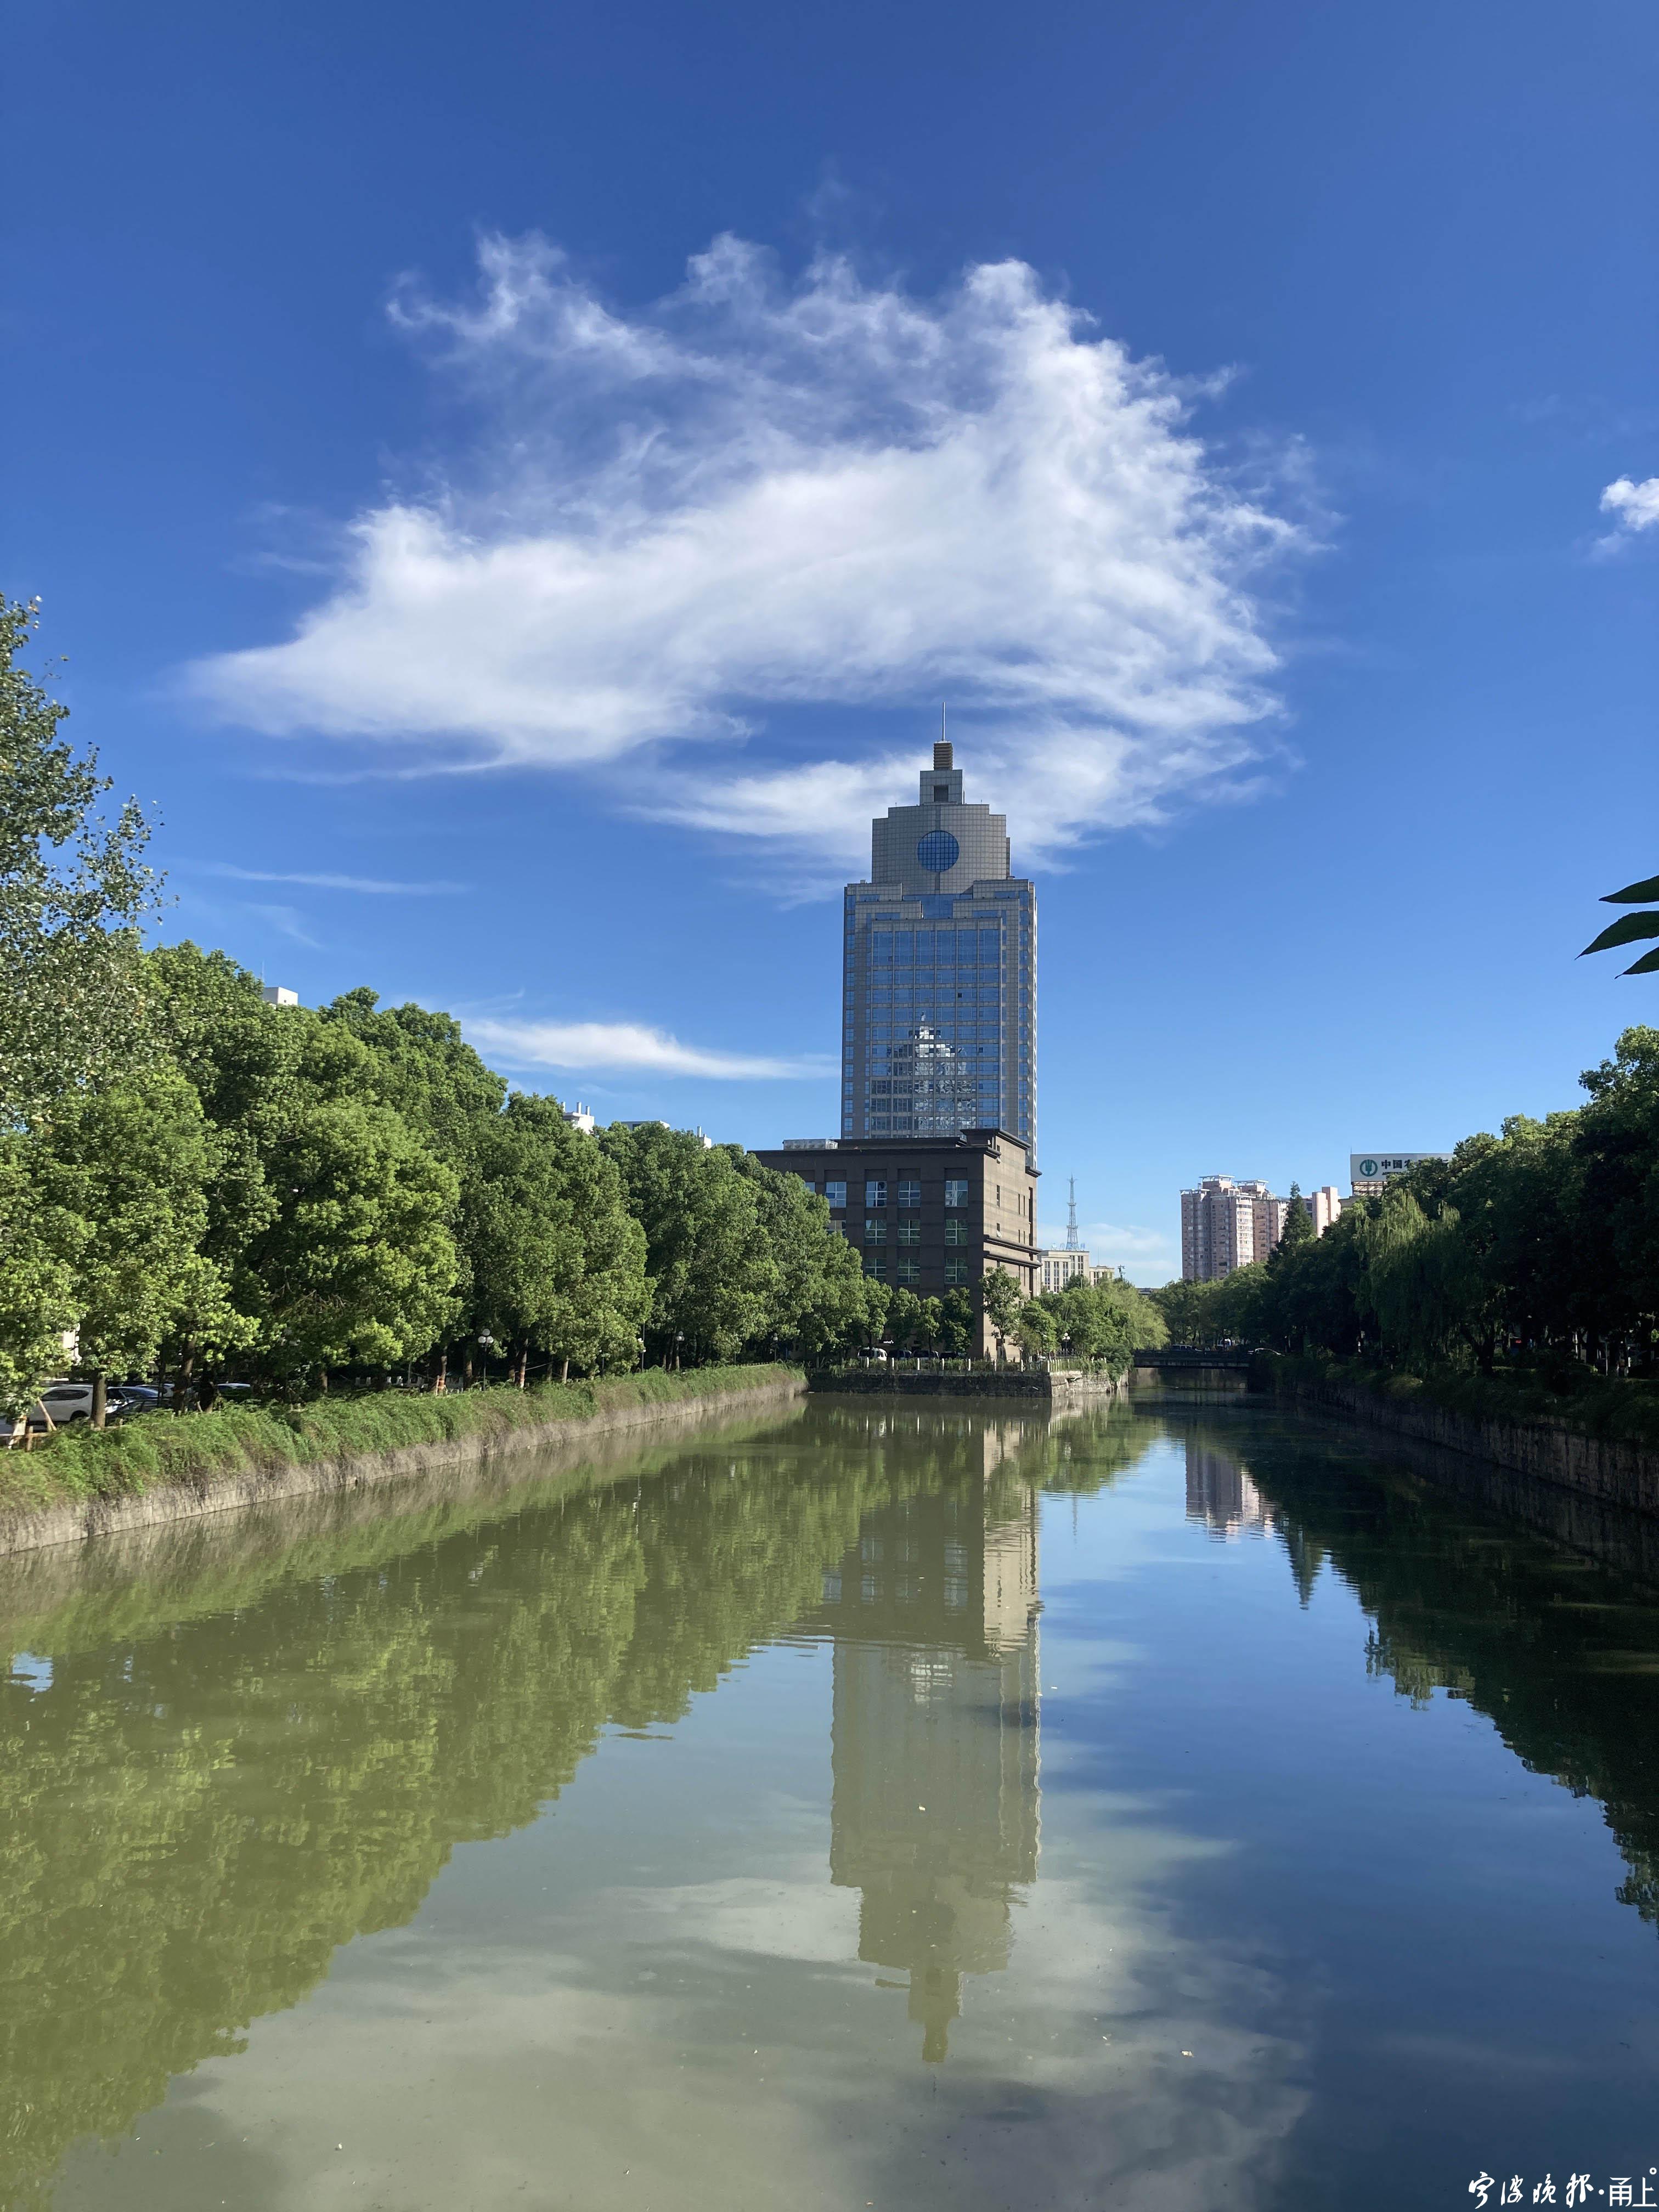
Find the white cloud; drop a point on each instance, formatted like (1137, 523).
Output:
(747, 497)
(288, 923)
(1100, 1237)
(1635, 505)
(586, 1046)
(371, 883)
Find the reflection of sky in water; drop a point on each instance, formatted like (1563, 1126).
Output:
(27, 1669)
(1080, 1866)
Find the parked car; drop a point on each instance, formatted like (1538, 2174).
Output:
(63, 1402)
(126, 1399)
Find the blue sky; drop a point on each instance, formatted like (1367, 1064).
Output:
(513, 486)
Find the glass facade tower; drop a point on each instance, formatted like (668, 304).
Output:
(939, 986)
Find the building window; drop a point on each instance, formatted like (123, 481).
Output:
(909, 1232)
(955, 1190)
(874, 1264)
(909, 1194)
(955, 1271)
(835, 1193)
(875, 1230)
(910, 1271)
(875, 1192)
(956, 1232)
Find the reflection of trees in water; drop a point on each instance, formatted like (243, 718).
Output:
(235, 1771)
(1559, 1652)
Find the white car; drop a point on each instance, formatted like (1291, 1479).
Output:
(61, 1402)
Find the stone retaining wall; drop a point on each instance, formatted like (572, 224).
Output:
(74, 1522)
(1613, 1473)
(1053, 1385)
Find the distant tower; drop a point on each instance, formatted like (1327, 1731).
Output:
(1073, 1242)
(938, 1003)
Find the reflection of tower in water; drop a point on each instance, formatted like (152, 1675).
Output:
(934, 1811)
(1220, 1493)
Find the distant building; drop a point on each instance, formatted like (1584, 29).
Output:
(928, 1214)
(1225, 1226)
(278, 994)
(1062, 1265)
(1372, 1172)
(1325, 1205)
(939, 998)
(579, 1118)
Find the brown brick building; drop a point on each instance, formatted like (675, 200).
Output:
(929, 1215)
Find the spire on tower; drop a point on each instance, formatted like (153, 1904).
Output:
(1074, 1241)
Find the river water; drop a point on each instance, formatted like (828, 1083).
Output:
(853, 1807)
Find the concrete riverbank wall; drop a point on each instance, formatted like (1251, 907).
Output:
(1057, 1386)
(76, 1521)
(1605, 1469)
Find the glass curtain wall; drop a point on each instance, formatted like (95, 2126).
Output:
(933, 1000)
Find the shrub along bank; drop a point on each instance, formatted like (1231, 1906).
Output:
(155, 1450)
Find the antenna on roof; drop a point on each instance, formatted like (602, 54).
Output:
(1073, 1242)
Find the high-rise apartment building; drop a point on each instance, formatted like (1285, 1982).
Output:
(1226, 1224)
(938, 997)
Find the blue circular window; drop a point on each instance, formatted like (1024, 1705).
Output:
(938, 851)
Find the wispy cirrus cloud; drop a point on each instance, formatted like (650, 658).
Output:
(1634, 507)
(286, 923)
(373, 884)
(593, 1047)
(753, 495)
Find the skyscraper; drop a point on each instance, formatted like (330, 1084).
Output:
(938, 999)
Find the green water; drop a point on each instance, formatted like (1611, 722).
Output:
(860, 1808)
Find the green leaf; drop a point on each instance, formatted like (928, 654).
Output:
(1625, 931)
(1633, 894)
(1647, 965)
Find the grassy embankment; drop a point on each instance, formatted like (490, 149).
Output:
(1606, 1406)
(154, 1449)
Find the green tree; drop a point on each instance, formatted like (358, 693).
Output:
(904, 1319)
(713, 1272)
(74, 891)
(956, 1330)
(558, 1262)
(815, 1295)
(134, 1162)
(328, 1216)
(40, 1242)
(1000, 1301)
(1298, 1229)
(1033, 1328)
